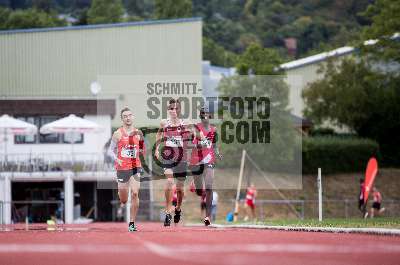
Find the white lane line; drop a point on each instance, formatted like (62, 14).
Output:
(35, 248)
(67, 248)
(171, 251)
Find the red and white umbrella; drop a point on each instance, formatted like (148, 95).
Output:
(10, 125)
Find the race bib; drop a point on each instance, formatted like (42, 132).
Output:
(174, 141)
(206, 142)
(128, 152)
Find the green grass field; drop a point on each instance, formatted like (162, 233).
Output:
(383, 222)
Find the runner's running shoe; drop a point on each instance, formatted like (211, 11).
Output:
(207, 221)
(167, 221)
(177, 216)
(132, 227)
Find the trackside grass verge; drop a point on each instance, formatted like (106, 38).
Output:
(384, 222)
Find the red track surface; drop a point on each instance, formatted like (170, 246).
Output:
(111, 244)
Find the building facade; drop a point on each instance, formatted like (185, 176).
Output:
(46, 74)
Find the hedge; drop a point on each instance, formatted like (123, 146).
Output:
(337, 154)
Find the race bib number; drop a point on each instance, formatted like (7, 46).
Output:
(206, 142)
(128, 153)
(174, 141)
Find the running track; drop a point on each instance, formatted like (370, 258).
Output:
(110, 244)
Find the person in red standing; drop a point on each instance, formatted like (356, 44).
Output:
(376, 204)
(127, 144)
(251, 194)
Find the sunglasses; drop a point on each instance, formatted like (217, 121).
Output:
(172, 108)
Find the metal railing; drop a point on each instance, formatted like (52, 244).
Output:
(51, 162)
(281, 209)
(265, 209)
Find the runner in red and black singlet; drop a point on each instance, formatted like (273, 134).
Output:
(171, 150)
(126, 147)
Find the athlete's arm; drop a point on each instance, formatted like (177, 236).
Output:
(215, 146)
(196, 133)
(113, 149)
(159, 136)
(190, 134)
(142, 146)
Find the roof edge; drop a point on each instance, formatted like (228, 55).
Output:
(103, 26)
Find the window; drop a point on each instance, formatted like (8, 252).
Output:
(27, 139)
(53, 138)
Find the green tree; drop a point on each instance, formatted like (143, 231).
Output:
(385, 17)
(217, 55)
(259, 61)
(105, 11)
(165, 9)
(4, 15)
(44, 5)
(32, 18)
(280, 153)
(4, 3)
(352, 94)
(139, 8)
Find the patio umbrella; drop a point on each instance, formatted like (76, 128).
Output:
(71, 124)
(10, 125)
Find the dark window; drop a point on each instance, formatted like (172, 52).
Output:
(51, 137)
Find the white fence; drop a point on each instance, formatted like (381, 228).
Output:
(54, 162)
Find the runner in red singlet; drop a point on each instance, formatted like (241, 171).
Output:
(202, 162)
(127, 144)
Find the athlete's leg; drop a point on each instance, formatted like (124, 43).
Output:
(180, 184)
(247, 211)
(123, 189)
(135, 186)
(208, 183)
(198, 184)
(198, 174)
(253, 212)
(168, 189)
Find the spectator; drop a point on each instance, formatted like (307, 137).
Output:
(361, 205)
(376, 205)
(250, 202)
